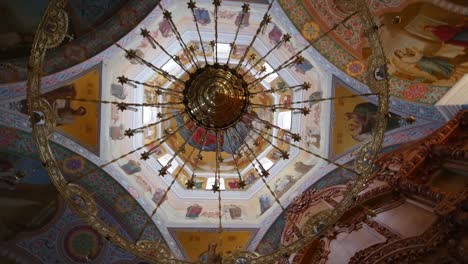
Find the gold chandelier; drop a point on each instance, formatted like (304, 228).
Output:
(220, 99)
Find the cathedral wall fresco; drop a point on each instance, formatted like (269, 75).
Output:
(196, 243)
(354, 120)
(79, 121)
(427, 48)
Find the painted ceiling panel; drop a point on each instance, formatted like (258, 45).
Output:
(425, 43)
(195, 243)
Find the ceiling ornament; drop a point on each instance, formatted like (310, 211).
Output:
(217, 94)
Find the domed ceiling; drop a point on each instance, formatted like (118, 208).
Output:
(254, 200)
(108, 19)
(425, 41)
(334, 68)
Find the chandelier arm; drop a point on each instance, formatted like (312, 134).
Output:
(168, 16)
(131, 54)
(245, 10)
(161, 115)
(315, 154)
(263, 171)
(263, 24)
(235, 160)
(313, 100)
(82, 175)
(258, 73)
(269, 125)
(286, 38)
(199, 157)
(216, 187)
(302, 86)
(296, 58)
(130, 132)
(220, 224)
(203, 142)
(170, 107)
(284, 153)
(164, 169)
(154, 43)
(158, 205)
(148, 85)
(118, 103)
(192, 5)
(169, 93)
(146, 154)
(216, 4)
(218, 182)
(262, 174)
(301, 110)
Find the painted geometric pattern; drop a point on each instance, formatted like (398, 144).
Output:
(63, 241)
(100, 183)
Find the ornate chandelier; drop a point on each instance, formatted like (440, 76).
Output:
(218, 96)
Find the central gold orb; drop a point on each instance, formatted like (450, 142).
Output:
(216, 97)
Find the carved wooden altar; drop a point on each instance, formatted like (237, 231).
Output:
(412, 171)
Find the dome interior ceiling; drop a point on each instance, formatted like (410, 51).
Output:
(421, 72)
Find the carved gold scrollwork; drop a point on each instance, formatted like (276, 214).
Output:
(56, 24)
(366, 155)
(51, 32)
(42, 106)
(81, 200)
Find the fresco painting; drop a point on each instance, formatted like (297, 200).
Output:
(202, 16)
(311, 128)
(194, 211)
(230, 141)
(76, 120)
(354, 120)
(266, 202)
(425, 43)
(131, 167)
(28, 200)
(429, 45)
(251, 176)
(18, 26)
(20, 19)
(86, 14)
(195, 244)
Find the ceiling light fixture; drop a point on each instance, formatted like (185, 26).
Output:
(218, 94)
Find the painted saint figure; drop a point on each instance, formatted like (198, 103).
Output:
(415, 63)
(65, 113)
(361, 121)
